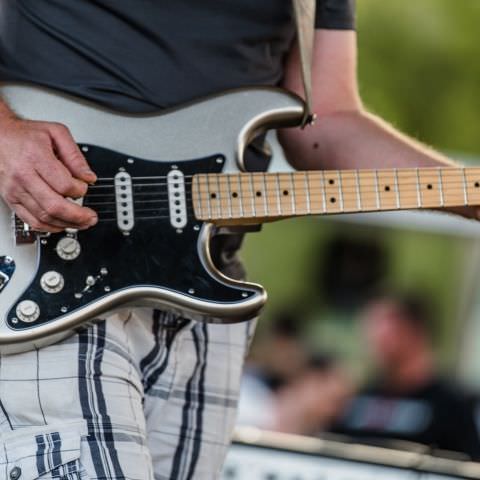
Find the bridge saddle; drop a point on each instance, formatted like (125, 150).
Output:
(22, 231)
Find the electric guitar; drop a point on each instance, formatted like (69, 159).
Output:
(165, 182)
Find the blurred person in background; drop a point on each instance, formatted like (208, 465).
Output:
(282, 353)
(306, 404)
(275, 361)
(312, 401)
(408, 400)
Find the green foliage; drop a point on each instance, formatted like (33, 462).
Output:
(419, 67)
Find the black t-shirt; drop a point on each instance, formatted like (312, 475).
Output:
(439, 415)
(145, 55)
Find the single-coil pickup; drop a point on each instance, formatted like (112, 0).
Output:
(176, 199)
(124, 202)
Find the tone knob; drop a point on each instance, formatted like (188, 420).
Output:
(28, 311)
(68, 248)
(52, 282)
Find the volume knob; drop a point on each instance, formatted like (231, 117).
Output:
(68, 248)
(28, 311)
(52, 282)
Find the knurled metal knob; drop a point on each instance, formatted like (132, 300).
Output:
(68, 248)
(28, 311)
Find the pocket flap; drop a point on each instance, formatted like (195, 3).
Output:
(32, 452)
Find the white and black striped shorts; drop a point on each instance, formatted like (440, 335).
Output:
(140, 395)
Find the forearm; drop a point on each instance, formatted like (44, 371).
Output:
(355, 140)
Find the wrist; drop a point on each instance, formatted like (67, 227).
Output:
(6, 113)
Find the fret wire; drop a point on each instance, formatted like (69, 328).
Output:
(419, 193)
(279, 205)
(357, 186)
(294, 195)
(465, 193)
(254, 210)
(240, 198)
(307, 188)
(208, 197)
(376, 189)
(340, 193)
(397, 188)
(219, 197)
(324, 192)
(440, 188)
(197, 180)
(229, 191)
(265, 195)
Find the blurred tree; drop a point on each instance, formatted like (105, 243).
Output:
(420, 69)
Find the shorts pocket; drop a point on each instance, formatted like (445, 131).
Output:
(43, 453)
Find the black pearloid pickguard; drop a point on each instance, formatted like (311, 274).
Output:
(154, 254)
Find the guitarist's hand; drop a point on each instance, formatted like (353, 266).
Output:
(40, 165)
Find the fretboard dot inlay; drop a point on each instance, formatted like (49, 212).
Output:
(234, 194)
(430, 187)
(331, 182)
(387, 188)
(259, 194)
(285, 192)
(333, 200)
(477, 184)
(213, 195)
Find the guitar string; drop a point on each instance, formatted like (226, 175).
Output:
(273, 184)
(269, 177)
(312, 194)
(218, 210)
(334, 173)
(346, 196)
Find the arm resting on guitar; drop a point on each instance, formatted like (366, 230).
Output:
(345, 135)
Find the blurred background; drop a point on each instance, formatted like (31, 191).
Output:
(372, 329)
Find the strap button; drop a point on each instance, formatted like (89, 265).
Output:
(15, 473)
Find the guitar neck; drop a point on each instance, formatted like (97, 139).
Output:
(244, 198)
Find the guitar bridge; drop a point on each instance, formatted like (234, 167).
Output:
(23, 232)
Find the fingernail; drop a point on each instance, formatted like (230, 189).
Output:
(90, 173)
(93, 221)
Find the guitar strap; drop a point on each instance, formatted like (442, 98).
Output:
(304, 12)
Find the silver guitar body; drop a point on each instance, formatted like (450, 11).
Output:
(224, 123)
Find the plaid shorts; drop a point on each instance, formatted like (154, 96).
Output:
(141, 395)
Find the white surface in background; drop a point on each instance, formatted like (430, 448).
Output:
(246, 463)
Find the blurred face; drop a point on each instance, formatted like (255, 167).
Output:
(390, 336)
